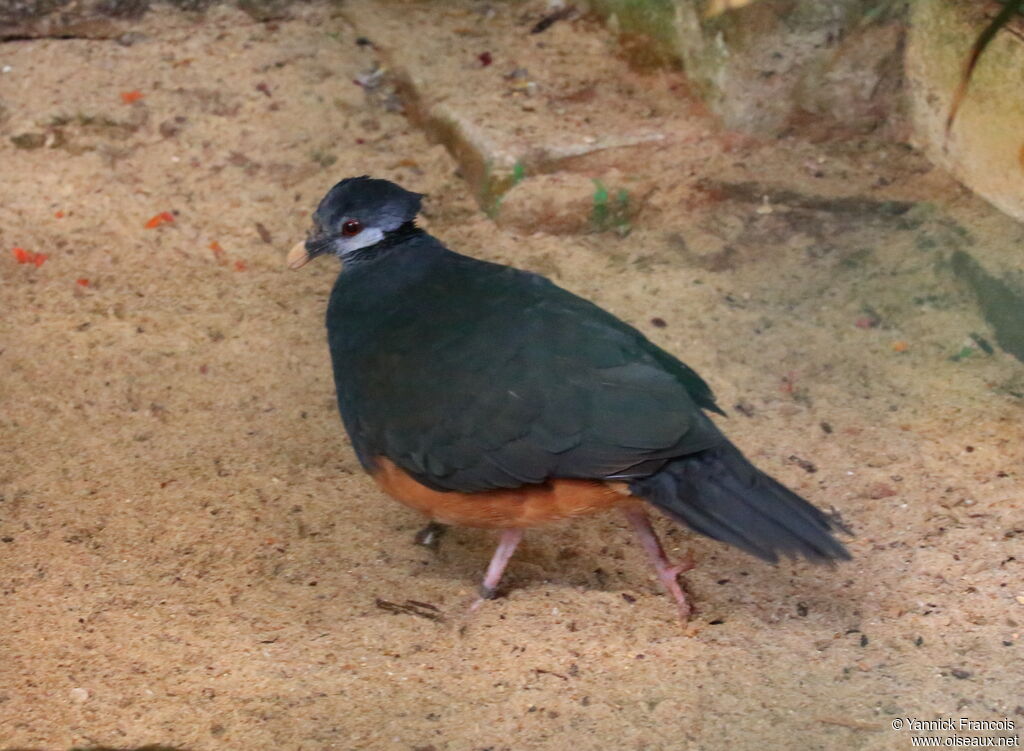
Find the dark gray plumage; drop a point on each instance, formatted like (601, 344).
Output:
(472, 376)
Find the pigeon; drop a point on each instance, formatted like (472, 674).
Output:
(486, 396)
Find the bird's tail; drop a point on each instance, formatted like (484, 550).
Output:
(718, 493)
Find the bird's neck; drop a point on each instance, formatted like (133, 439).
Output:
(400, 235)
(373, 279)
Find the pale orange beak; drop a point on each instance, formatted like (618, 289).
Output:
(297, 256)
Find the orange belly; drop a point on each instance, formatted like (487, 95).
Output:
(527, 506)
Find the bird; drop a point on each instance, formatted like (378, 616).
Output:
(487, 396)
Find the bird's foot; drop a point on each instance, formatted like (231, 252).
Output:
(485, 593)
(668, 573)
(687, 563)
(430, 536)
(669, 577)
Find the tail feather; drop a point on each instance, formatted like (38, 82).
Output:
(718, 493)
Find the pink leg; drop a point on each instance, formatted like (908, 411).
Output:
(506, 547)
(667, 573)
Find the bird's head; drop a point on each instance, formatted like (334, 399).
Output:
(357, 213)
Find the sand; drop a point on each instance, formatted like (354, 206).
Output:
(191, 557)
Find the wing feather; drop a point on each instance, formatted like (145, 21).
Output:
(488, 377)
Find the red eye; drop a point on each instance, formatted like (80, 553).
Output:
(351, 227)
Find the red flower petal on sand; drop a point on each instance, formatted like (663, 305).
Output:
(164, 217)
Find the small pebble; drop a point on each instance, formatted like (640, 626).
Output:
(744, 408)
(881, 490)
(804, 464)
(79, 695)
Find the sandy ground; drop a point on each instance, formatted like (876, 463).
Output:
(192, 558)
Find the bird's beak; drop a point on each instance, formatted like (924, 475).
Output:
(298, 256)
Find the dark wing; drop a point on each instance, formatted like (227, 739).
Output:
(494, 378)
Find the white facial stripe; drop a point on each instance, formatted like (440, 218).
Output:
(369, 236)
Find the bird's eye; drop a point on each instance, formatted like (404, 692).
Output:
(351, 227)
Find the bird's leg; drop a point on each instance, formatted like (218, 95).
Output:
(506, 547)
(430, 535)
(667, 572)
